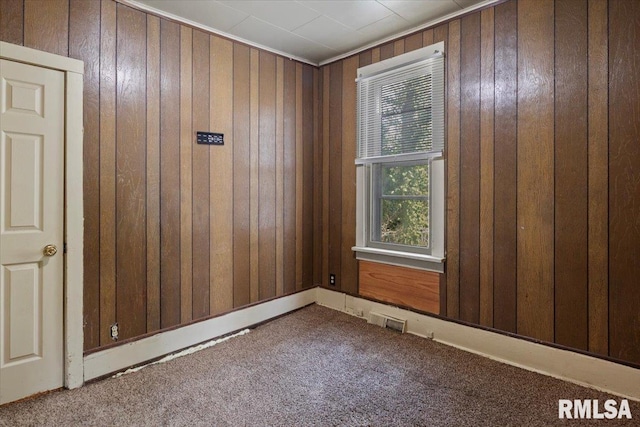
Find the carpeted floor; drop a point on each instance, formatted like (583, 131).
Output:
(316, 367)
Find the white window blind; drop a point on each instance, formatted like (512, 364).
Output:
(401, 110)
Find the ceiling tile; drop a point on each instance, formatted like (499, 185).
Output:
(330, 33)
(354, 14)
(386, 27)
(418, 12)
(311, 30)
(275, 37)
(209, 13)
(285, 14)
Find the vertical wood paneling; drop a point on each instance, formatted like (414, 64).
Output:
(427, 37)
(299, 177)
(46, 25)
(170, 295)
(290, 173)
(453, 171)
(267, 177)
(386, 51)
(131, 244)
(505, 166)
(365, 58)
(186, 187)
(308, 144)
(571, 204)
(84, 43)
(241, 175)
(318, 148)
(221, 176)
(326, 172)
(155, 202)
(413, 42)
(107, 170)
(12, 20)
(535, 154)
(375, 55)
(311, 106)
(487, 96)
(624, 179)
(398, 47)
(254, 165)
(436, 35)
(598, 220)
(335, 176)
(280, 267)
(200, 179)
(153, 173)
(530, 181)
(349, 266)
(470, 168)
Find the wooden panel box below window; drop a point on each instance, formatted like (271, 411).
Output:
(403, 286)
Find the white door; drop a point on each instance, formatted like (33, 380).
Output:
(31, 229)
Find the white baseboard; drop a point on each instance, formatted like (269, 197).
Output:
(563, 364)
(118, 358)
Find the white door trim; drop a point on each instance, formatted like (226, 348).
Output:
(73, 215)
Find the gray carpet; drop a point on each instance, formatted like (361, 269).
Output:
(315, 367)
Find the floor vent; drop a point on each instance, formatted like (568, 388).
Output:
(388, 322)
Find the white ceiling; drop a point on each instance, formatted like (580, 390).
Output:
(314, 31)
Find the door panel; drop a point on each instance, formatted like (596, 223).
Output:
(22, 289)
(31, 217)
(24, 174)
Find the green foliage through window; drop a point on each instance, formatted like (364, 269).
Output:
(404, 204)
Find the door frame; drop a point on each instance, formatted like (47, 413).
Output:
(73, 70)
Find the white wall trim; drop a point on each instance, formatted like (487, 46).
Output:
(566, 365)
(74, 233)
(73, 216)
(121, 357)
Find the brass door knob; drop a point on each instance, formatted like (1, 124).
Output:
(50, 250)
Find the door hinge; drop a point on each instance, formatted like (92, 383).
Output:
(64, 248)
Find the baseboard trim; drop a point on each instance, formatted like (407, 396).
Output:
(115, 359)
(563, 364)
(566, 365)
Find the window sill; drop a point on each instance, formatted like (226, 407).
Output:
(402, 259)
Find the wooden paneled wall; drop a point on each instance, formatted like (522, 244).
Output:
(176, 231)
(543, 178)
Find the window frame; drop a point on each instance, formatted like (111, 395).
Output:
(366, 248)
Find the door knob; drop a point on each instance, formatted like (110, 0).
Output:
(50, 250)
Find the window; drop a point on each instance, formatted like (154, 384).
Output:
(400, 171)
(400, 195)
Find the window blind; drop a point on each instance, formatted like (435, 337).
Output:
(401, 110)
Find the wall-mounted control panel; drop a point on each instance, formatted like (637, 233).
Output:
(210, 138)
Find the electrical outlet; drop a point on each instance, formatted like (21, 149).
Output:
(332, 279)
(114, 331)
